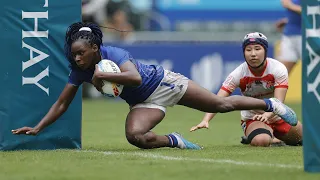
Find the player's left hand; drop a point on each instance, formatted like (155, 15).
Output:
(280, 24)
(201, 125)
(25, 130)
(264, 117)
(271, 121)
(96, 81)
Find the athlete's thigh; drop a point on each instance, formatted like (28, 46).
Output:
(294, 136)
(199, 98)
(288, 51)
(142, 120)
(298, 45)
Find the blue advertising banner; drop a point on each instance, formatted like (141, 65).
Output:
(34, 71)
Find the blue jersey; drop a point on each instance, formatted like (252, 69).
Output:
(293, 27)
(151, 75)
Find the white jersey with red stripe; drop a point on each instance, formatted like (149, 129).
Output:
(275, 75)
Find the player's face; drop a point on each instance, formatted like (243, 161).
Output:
(254, 54)
(83, 53)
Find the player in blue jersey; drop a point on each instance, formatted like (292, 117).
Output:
(148, 89)
(291, 42)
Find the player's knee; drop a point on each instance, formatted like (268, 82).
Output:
(263, 140)
(134, 138)
(260, 137)
(139, 140)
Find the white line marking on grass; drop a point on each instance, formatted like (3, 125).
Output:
(207, 160)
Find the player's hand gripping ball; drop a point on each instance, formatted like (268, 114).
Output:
(110, 89)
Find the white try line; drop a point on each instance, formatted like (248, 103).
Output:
(206, 160)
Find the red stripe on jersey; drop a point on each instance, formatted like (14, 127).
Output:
(225, 89)
(282, 86)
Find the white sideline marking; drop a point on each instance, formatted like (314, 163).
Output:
(207, 160)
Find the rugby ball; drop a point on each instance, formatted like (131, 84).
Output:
(110, 89)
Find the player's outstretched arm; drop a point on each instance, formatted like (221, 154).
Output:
(208, 116)
(57, 109)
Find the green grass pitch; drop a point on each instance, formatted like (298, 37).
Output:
(107, 155)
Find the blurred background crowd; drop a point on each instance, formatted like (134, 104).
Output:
(230, 17)
(187, 35)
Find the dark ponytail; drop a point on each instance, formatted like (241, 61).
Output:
(92, 35)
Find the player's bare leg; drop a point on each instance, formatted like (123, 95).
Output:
(201, 99)
(294, 136)
(139, 123)
(275, 141)
(259, 134)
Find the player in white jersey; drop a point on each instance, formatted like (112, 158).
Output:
(259, 77)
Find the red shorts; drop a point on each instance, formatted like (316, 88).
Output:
(280, 127)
